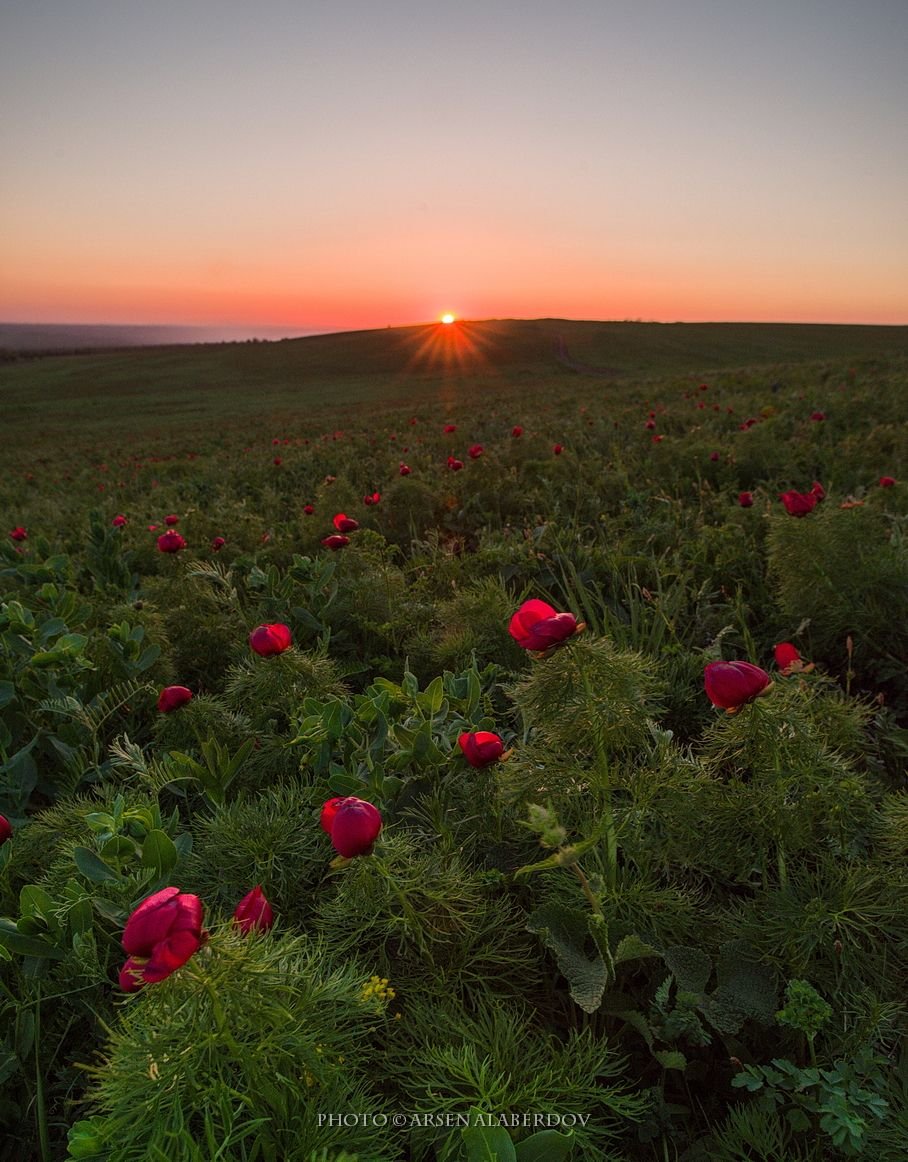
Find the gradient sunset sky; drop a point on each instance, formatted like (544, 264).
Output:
(337, 164)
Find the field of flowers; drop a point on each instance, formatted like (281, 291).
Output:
(451, 773)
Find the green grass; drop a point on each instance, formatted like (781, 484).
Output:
(184, 388)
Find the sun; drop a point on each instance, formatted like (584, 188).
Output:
(447, 318)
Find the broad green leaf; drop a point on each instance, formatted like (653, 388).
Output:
(93, 867)
(7, 693)
(633, 948)
(488, 1144)
(19, 942)
(671, 1059)
(159, 852)
(546, 1146)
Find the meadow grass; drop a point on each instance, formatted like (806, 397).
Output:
(680, 931)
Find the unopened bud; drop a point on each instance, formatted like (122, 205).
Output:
(837, 947)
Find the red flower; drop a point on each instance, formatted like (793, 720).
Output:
(18, 534)
(887, 481)
(354, 826)
(119, 521)
(558, 449)
(745, 499)
(732, 684)
(335, 541)
(152, 528)
(6, 829)
(714, 456)
(787, 657)
(404, 470)
(475, 451)
(799, 503)
(309, 509)
(171, 542)
(373, 499)
(516, 431)
(818, 490)
(454, 464)
(658, 439)
(277, 461)
(650, 425)
(268, 640)
(173, 697)
(329, 810)
(450, 428)
(171, 520)
(253, 912)
(218, 543)
(816, 416)
(480, 747)
(537, 626)
(344, 523)
(160, 936)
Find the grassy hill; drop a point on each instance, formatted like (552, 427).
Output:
(166, 387)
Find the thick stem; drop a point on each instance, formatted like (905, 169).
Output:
(587, 890)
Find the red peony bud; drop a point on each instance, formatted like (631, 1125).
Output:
(476, 451)
(335, 541)
(171, 520)
(714, 456)
(404, 470)
(558, 449)
(374, 498)
(354, 825)
(268, 640)
(6, 829)
(454, 464)
(329, 810)
(516, 431)
(816, 416)
(786, 657)
(537, 626)
(253, 912)
(344, 523)
(218, 543)
(887, 481)
(160, 936)
(309, 509)
(119, 521)
(818, 490)
(481, 747)
(171, 542)
(173, 697)
(18, 534)
(745, 499)
(450, 428)
(732, 684)
(799, 503)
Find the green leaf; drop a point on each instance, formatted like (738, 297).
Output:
(93, 867)
(488, 1144)
(16, 941)
(564, 932)
(671, 1059)
(36, 903)
(7, 693)
(633, 948)
(546, 1146)
(159, 852)
(345, 784)
(690, 967)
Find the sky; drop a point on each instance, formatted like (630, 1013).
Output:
(346, 164)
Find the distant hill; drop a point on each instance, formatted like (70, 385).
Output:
(134, 389)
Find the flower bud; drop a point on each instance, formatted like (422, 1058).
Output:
(268, 640)
(253, 912)
(480, 747)
(173, 697)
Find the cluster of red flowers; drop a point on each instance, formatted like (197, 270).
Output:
(801, 503)
(165, 931)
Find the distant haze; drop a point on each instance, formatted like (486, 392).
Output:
(28, 337)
